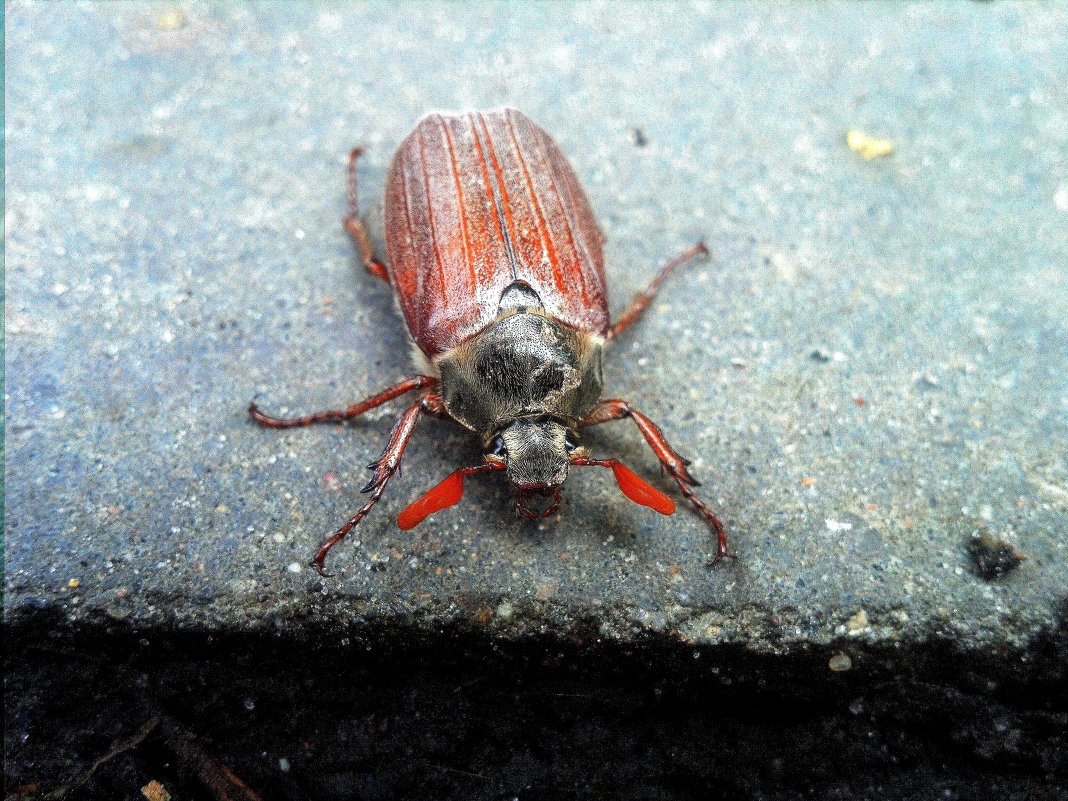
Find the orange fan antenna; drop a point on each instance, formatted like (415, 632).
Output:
(632, 485)
(442, 496)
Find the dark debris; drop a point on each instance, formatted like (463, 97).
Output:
(993, 557)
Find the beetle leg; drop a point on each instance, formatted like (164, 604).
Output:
(643, 299)
(354, 225)
(340, 415)
(434, 404)
(383, 469)
(617, 409)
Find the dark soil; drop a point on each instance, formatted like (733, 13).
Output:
(454, 715)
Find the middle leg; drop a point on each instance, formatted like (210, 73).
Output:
(341, 415)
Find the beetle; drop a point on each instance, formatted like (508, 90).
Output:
(496, 262)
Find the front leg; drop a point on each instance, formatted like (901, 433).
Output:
(617, 409)
(384, 467)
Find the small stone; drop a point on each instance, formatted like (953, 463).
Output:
(1060, 198)
(74, 584)
(283, 764)
(18, 323)
(857, 623)
(154, 791)
(840, 662)
(545, 591)
(481, 616)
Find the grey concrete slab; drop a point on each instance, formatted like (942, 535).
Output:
(870, 369)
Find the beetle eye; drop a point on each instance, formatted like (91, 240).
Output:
(497, 448)
(569, 443)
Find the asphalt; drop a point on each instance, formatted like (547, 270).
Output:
(868, 372)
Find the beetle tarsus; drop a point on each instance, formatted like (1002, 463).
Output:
(710, 518)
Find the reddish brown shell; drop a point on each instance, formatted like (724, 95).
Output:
(476, 201)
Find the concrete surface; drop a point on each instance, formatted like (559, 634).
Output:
(870, 369)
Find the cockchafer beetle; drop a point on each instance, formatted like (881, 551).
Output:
(496, 261)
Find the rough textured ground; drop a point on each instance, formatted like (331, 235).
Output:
(870, 369)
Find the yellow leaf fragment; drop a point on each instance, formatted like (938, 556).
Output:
(171, 20)
(869, 147)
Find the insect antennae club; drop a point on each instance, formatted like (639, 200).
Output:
(442, 496)
(631, 484)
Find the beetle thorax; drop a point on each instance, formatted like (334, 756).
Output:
(524, 365)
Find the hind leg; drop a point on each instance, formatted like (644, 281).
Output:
(643, 299)
(357, 230)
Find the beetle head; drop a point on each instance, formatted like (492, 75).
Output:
(537, 453)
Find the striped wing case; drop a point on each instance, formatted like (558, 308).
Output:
(475, 202)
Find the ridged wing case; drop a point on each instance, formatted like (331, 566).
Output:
(475, 202)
